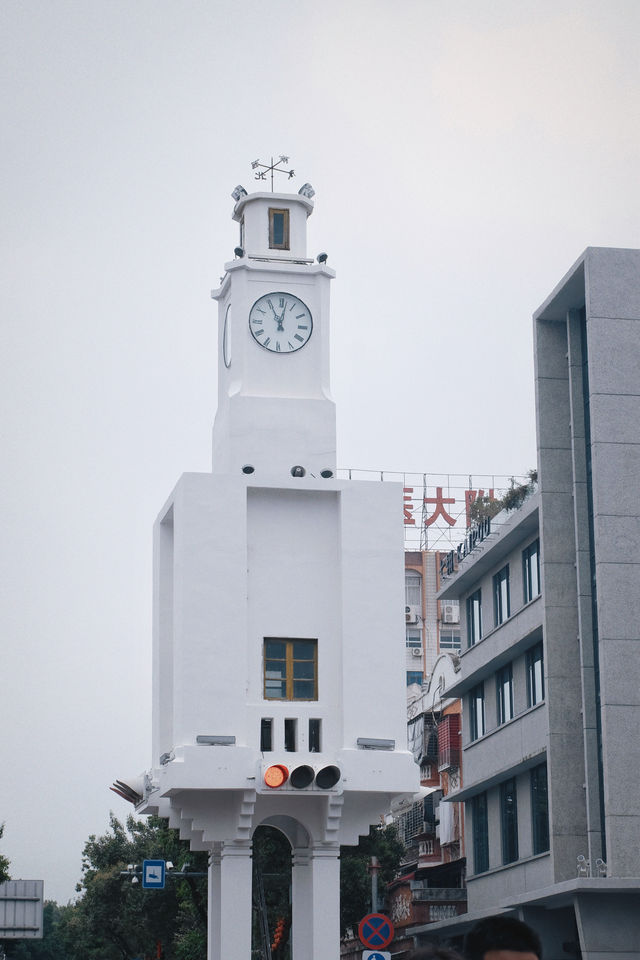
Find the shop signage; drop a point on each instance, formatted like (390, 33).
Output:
(479, 532)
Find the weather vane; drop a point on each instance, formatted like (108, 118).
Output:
(263, 169)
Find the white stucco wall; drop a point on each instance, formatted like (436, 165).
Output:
(298, 559)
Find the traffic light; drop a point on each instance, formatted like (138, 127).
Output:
(279, 775)
(276, 775)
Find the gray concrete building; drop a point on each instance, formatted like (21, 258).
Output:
(550, 622)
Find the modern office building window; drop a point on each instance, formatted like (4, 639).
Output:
(501, 601)
(531, 571)
(476, 712)
(474, 618)
(539, 809)
(413, 638)
(509, 820)
(504, 693)
(480, 821)
(535, 675)
(290, 669)
(414, 676)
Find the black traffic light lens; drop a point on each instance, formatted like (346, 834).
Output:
(301, 777)
(327, 777)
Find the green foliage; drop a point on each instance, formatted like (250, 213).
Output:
(483, 507)
(52, 946)
(518, 492)
(514, 497)
(118, 919)
(191, 945)
(355, 879)
(114, 919)
(4, 863)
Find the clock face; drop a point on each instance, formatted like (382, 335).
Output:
(226, 338)
(280, 322)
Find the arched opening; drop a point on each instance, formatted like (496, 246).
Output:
(273, 842)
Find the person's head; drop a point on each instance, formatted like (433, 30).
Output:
(502, 938)
(434, 953)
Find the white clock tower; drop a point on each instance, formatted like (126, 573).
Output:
(274, 403)
(278, 672)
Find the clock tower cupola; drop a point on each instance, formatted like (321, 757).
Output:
(275, 414)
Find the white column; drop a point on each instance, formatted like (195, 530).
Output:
(213, 900)
(316, 903)
(235, 901)
(301, 903)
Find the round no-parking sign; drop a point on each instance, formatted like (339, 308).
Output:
(375, 931)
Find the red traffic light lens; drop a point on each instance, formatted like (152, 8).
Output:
(276, 775)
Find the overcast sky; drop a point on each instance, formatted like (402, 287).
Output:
(463, 155)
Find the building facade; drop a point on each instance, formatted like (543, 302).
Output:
(550, 667)
(430, 885)
(505, 711)
(432, 882)
(432, 628)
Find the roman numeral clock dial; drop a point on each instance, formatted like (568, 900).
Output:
(280, 322)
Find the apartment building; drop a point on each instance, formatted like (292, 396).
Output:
(550, 624)
(431, 628)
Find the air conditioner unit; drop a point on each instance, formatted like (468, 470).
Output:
(416, 652)
(450, 613)
(411, 614)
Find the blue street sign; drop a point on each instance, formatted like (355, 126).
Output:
(376, 955)
(153, 874)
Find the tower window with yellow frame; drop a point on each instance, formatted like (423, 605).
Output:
(290, 669)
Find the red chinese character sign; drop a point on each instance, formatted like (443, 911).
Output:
(409, 519)
(375, 931)
(470, 497)
(439, 509)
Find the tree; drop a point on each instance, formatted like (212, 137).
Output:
(355, 879)
(115, 919)
(4, 863)
(52, 946)
(514, 497)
